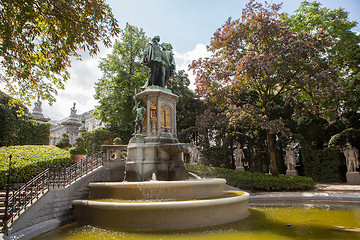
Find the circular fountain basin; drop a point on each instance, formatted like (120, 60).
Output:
(163, 215)
(161, 205)
(179, 190)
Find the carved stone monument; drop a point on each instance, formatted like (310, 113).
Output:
(38, 112)
(195, 154)
(239, 156)
(154, 148)
(352, 163)
(290, 161)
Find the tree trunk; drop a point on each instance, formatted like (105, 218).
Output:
(271, 150)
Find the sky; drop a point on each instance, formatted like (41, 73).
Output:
(187, 24)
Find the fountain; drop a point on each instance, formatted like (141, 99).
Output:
(157, 193)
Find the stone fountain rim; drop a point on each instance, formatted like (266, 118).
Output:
(165, 205)
(195, 182)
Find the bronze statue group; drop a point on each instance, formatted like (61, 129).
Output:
(160, 59)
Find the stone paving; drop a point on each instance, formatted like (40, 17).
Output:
(322, 192)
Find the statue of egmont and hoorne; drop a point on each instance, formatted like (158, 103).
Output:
(160, 59)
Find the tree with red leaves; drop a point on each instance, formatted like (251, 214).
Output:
(255, 60)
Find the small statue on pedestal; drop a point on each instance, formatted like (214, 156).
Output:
(139, 120)
(290, 161)
(352, 158)
(290, 158)
(239, 157)
(73, 110)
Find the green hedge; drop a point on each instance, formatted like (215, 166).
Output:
(262, 181)
(30, 160)
(323, 165)
(32, 132)
(349, 135)
(97, 137)
(24, 132)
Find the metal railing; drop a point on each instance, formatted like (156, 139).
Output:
(51, 178)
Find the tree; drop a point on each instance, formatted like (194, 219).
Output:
(38, 39)
(255, 60)
(187, 109)
(345, 53)
(123, 74)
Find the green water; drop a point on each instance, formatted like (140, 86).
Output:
(275, 223)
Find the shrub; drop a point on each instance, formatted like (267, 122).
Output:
(64, 142)
(260, 181)
(349, 135)
(31, 132)
(30, 160)
(117, 141)
(323, 165)
(16, 127)
(79, 146)
(97, 137)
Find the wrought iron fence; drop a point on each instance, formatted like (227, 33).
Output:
(51, 178)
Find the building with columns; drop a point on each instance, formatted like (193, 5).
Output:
(70, 125)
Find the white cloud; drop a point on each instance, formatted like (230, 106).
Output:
(184, 59)
(84, 74)
(79, 88)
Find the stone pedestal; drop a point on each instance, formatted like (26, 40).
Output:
(156, 150)
(292, 172)
(81, 131)
(353, 177)
(239, 169)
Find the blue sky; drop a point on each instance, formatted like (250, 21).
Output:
(187, 24)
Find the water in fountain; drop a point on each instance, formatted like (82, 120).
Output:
(156, 154)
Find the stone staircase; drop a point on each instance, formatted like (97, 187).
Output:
(2, 206)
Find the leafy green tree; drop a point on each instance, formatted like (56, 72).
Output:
(123, 74)
(344, 53)
(187, 109)
(38, 39)
(256, 60)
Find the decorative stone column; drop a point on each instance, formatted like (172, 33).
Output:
(156, 150)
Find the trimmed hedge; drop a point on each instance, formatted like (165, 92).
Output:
(262, 181)
(79, 146)
(323, 165)
(24, 132)
(349, 135)
(30, 160)
(32, 132)
(97, 137)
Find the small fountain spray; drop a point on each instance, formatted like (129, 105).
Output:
(155, 170)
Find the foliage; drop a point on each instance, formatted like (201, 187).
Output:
(97, 137)
(351, 119)
(77, 150)
(31, 132)
(30, 160)
(324, 165)
(117, 141)
(256, 60)
(311, 131)
(349, 135)
(19, 129)
(38, 39)
(123, 74)
(261, 181)
(79, 146)
(187, 109)
(64, 141)
(345, 53)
